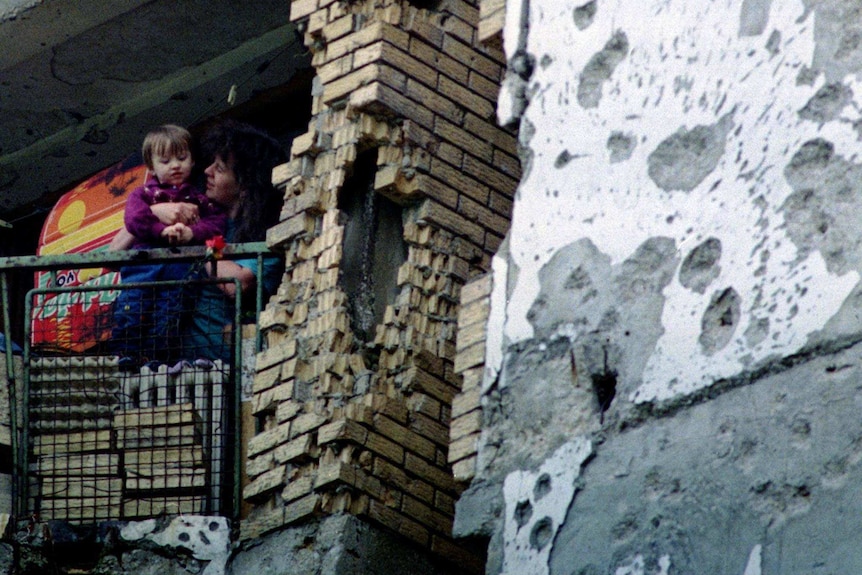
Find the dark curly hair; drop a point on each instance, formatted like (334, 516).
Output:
(252, 154)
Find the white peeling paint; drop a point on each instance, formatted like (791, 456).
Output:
(495, 342)
(754, 561)
(664, 565)
(634, 567)
(206, 538)
(686, 66)
(637, 566)
(521, 555)
(514, 32)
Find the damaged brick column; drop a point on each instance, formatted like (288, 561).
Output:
(399, 193)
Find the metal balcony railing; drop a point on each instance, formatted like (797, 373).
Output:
(122, 423)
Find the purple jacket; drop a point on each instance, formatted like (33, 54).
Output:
(146, 227)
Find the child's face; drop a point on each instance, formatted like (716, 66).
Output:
(173, 168)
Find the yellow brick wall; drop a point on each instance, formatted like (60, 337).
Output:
(418, 86)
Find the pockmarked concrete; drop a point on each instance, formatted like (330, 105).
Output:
(679, 290)
(760, 480)
(336, 545)
(536, 504)
(723, 138)
(763, 479)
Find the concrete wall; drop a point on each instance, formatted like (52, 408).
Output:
(671, 366)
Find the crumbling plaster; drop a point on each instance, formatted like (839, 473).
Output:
(674, 137)
(685, 235)
(765, 476)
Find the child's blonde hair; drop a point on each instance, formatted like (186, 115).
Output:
(167, 140)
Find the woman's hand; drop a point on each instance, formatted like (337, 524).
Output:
(170, 213)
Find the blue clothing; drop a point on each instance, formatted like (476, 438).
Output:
(209, 334)
(147, 319)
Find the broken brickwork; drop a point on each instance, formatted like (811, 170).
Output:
(465, 430)
(353, 395)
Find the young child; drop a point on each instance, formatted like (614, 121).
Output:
(146, 319)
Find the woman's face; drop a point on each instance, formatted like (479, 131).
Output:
(222, 186)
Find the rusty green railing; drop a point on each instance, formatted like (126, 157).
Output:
(20, 390)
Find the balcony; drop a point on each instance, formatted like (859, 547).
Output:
(122, 430)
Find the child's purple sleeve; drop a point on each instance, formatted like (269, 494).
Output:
(140, 219)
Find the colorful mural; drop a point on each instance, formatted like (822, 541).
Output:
(85, 219)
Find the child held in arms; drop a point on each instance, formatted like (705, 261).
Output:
(147, 319)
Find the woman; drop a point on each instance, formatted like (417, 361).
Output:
(239, 178)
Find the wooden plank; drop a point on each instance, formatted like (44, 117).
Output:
(152, 437)
(75, 442)
(153, 506)
(165, 478)
(83, 489)
(90, 464)
(169, 457)
(81, 508)
(156, 416)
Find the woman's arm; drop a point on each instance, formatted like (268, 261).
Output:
(122, 240)
(232, 270)
(170, 213)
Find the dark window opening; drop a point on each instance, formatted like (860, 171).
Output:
(373, 248)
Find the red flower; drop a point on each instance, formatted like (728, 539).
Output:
(215, 247)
